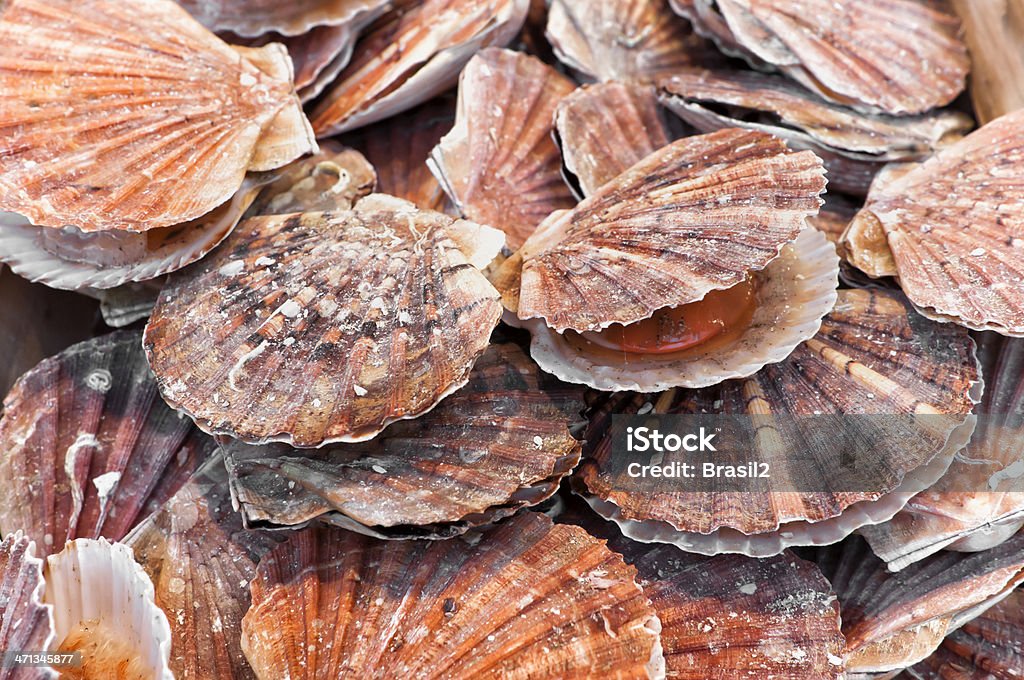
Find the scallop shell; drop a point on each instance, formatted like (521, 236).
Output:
(87, 448)
(873, 356)
(499, 163)
(531, 599)
(103, 608)
(900, 56)
(26, 622)
(624, 40)
(979, 502)
(236, 113)
(955, 229)
(201, 561)
(892, 621)
(255, 17)
(852, 144)
(124, 305)
(500, 443)
(328, 326)
(984, 648)
(398, 148)
(660, 228)
(795, 292)
(73, 259)
(411, 54)
(605, 129)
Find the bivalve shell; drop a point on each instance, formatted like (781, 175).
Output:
(26, 622)
(252, 18)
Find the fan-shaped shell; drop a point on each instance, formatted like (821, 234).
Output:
(149, 92)
(332, 179)
(201, 561)
(872, 357)
(979, 502)
(624, 40)
(529, 598)
(499, 163)
(72, 259)
(498, 444)
(606, 128)
(900, 56)
(87, 447)
(984, 648)
(325, 327)
(411, 54)
(697, 215)
(955, 227)
(256, 17)
(892, 621)
(26, 622)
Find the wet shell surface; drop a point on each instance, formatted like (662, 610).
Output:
(255, 17)
(500, 443)
(201, 561)
(411, 54)
(979, 502)
(26, 622)
(326, 327)
(606, 128)
(872, 356)
(103, 607)
(72, 259)
(624, 40)
(499, 164)
(529, 598)
(955, 227)
(697, 215)
(899, 56)
(88, 448)
(77, 128)
(892, 621)
(989, 646)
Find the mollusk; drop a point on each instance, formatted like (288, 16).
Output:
(252, 18)
(26, 622)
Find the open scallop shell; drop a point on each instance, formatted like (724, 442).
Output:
(795, 291)
(332, 179)
(892, 621)
(82, 126)
(624, 40)
(984, 648)
(979, 502)
(529, 598)
(697, 215)
(499, 163)
(201, 561)
(852, 144)
(955, 228)
(26, 622)
(317, 328)
(899, 56)
(411, 54)
(88, 448)
(103, 608)
(398, 148)
(873, 355)
(500, 443)
(255, 17)
(606, 128)
(73, 259)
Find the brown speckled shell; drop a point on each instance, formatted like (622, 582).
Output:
(624, 40)
(325, 327)
(201, 561)
(411, 54)
(87, 447)
(892, 621)
(332, 179)
(955, 227)
(26, 623)
(873, 355)
(82, 126)
(499, 163)
(627, 250)
(530, 599)
(498, 444)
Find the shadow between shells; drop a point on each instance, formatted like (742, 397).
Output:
(337, 322)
